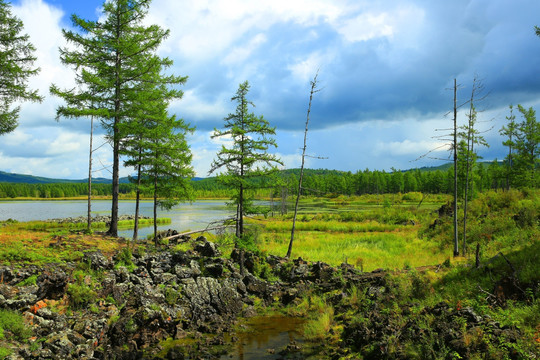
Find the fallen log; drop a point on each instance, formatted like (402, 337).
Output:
(196, 231)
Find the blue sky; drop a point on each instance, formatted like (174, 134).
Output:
(385, 69)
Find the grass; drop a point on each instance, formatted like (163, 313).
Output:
(21, 246)
(12, 326)
(122, 224)
(370, 238)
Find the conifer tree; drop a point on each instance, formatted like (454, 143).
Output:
(16, 67)
(111, 59)
(527, 150)
(247, 158)
(510, 131)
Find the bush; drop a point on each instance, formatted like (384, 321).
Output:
(80, 295)
(13, 322)
(124, 259)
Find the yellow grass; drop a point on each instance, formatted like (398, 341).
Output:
(367, 250)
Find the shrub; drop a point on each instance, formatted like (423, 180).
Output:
(124, 259)
(13, 322)
(80, 295)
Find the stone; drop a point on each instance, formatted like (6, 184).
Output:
(96, 260)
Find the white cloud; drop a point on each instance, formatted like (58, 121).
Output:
(205, 29)
(193, 107)
(305, 69)
(239, 54)
(67, 143)
(367, 26)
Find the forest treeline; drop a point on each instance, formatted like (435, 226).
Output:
(316, 182)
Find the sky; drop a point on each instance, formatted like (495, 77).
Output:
(385, 73)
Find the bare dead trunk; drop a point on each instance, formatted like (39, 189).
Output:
(456, 244)
(313, 90)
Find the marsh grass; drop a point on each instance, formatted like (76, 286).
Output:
(369, 250)
(123, 224)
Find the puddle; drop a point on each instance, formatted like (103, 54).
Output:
(264, 335)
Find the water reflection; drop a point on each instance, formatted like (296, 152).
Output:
(265, 337)
(183, 216)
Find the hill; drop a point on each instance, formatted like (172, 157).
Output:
(30, 179)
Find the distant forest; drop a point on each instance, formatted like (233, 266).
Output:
(316, 182)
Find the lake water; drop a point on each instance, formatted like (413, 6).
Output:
(184, 217)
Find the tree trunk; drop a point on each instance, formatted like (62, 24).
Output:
(113, 230)
(456, 244)
(137, 203)
(155, 211)
(89, 220)
(313, 86)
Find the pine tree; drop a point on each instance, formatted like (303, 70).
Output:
(110, 59)
(247, 159)
(16, 67)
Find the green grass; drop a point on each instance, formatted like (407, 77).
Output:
(12, 326)
(123, 224)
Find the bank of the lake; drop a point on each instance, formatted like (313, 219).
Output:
(184, 216)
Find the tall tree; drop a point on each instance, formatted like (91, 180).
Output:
(470, 136)
(247, 158)
(16, 67)
(527, 149)
(162, 157)
(110, 58)
(149, 113)
(510, 131)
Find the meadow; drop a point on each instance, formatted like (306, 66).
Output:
(369, 231)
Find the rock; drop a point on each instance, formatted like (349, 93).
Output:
(96, 260)
(208, 249)
(52, 284)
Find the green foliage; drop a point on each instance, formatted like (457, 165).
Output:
(4, 352)
(124, 258)
(16, 61)
(12, 322)
(171, 295)
(522, 138)
(119, 73)
(31, 280)
(318, 328)
(247, 162)
(81, 292)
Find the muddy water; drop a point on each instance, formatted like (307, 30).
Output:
(265, 336)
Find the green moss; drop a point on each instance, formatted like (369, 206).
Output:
(31, 280)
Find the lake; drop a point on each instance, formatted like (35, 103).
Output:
(184, 216)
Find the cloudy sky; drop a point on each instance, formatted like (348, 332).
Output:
(385, 73)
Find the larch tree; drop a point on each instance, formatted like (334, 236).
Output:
(467, 154)
(111, 58)
(527, 153)
(16, 67)
(149, 113)
(162, 157)
(510, 132)
(247, 159)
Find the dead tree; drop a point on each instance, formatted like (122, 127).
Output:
(313, 90)
(456, 240)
